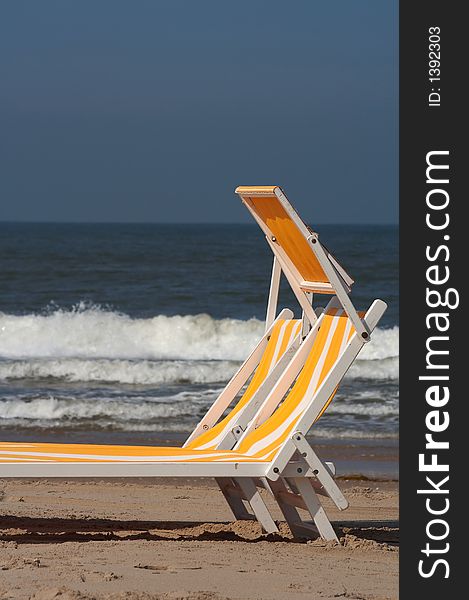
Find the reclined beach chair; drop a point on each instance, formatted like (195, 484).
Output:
(271, 447)
(276, 448)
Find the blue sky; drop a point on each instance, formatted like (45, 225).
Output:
(153, 111)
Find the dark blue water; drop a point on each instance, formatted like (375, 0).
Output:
(137, 327)
(143, 270)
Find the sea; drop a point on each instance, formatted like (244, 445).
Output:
(128, 332)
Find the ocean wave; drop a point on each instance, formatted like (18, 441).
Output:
(147, 372)
(388, 368)
(177, 412)
(104, 412)
(384, 344)
(90, 343)
(145, 409)
(375, 409)
(350, 432)
(93, 332)
(137, 372)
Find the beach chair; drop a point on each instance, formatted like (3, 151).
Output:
(270, 445)
(310, 269)
(272, 448)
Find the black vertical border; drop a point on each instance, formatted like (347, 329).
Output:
(424, 129)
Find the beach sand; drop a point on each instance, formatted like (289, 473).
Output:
(174, 539)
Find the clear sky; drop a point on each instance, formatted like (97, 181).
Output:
(154, 110)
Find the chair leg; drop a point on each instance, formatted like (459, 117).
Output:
(292, 517)
(236, 504)
(258, 506)
(315, 509)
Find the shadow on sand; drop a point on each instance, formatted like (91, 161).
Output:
(32, 530)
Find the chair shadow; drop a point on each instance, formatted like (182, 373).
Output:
(44, 530)
(31, 530)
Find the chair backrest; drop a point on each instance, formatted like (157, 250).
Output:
(284, 332)
(289, 238)
(331, 340)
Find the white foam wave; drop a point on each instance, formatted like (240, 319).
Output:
(349, 433)
(171, 413)
(119, 412)
(91, 332)
(89, 343)
(178, 412)
(379, 359)
(143, 372)
(384, 343)
(143, 408)
(147, 372)
(371, 409)
(387, 368)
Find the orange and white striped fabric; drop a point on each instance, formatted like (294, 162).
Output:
(282, 336)
(331, 341)
(259, 446)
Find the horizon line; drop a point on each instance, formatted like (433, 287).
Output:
(320, 224)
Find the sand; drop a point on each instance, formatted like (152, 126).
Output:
(84, 539)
